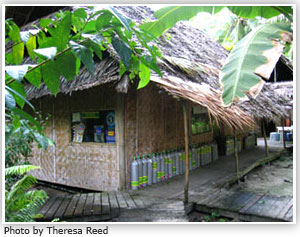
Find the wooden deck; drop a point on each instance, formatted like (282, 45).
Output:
(247, 206)
(89, 207)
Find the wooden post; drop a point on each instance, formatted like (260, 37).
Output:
(265, 138)
(186, 140)
(236, 155)
(283, 137)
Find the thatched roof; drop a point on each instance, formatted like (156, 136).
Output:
(271, 104)
(190, 69)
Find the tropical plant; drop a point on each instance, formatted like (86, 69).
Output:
(253, 57)
(21, 201)
(60, 46)
(19, 139)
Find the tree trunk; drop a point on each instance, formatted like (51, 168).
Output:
(186, 140)
(265, 138)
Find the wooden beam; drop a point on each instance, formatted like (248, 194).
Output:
(283, 137)
(120, 139)
(236, 155)
(265, 138)
(186, 140)
(264, 160)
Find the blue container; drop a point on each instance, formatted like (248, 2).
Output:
(289, 137)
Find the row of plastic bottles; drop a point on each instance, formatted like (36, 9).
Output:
(158, 167)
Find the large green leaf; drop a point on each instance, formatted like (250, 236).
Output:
(124, 20)
(27, 117)
(50, 76)
(103, 20)
(18, 53)
(34, 77)
(169, 16)
(42, 140)
(30, 46)
(16, 72)
(64, 59)
(10, 102)
(123, 50)
(61, 33)
(19, 93)
(262, 11)
(48, 53)
(144, 75)
(256, 54)
(84, 54)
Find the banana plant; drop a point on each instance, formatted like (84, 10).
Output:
(252, 58)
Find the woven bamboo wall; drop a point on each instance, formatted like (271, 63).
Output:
(87, 165)
(153, 123)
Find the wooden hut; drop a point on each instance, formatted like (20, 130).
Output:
(100, 122)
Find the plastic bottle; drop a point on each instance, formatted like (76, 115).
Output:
(134, 174)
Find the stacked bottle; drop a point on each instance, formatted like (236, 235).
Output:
(155, 168)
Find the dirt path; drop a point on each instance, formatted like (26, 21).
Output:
(274, 179)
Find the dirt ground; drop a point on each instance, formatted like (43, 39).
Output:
(274, 179)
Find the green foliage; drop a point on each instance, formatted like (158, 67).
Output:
(85, 36)
(207, 218)
(21, 202)
(261, 11)
(123, 50)
(215, 215)
(169, 16)
(239, 73)
(19, 136)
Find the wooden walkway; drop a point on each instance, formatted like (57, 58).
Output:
(246, 206)
(88, 207)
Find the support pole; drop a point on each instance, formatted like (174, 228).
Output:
(186, 140)
(283, 137)
(236, 155)
(265, 138)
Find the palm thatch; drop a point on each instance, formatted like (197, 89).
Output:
(205, 96)
(190, 66)
(270, 104)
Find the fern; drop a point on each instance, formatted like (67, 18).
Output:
(22, 203)
(19, 169)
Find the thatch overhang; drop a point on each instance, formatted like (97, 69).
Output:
(190, 67)
(270, 104)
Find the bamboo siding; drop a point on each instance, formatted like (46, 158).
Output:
(86, 165)
(154, 123)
